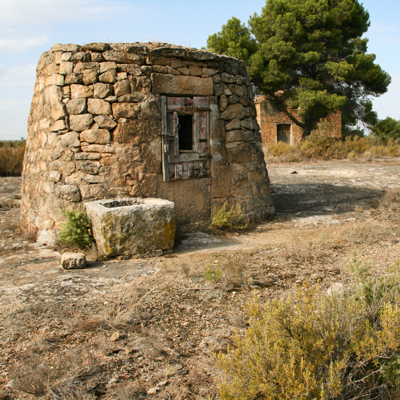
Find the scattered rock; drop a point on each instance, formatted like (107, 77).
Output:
(153, 390)
(336, 288)
(73, 260)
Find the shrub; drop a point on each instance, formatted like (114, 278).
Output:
(213, 273)
(314, 346)
(75, 232)
(224, 219)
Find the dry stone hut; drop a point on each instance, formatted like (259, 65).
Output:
(142, 120)
(276, 126)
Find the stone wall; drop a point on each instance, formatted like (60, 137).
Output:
(95, 131)
(269, 118)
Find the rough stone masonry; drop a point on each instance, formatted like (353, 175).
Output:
(142, 120)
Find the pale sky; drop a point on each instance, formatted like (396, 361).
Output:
(30, 27)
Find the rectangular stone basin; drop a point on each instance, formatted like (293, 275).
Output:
(131, 225)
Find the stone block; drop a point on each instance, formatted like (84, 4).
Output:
(96, 136)
(97, 57)
(109, 76)
(90, 167)
(121, 76)
(68, 192)
(105, 122)
(85, 66)
(122, 57)
(137, 131)
(78, 91)
(73, 260)
(125, 110)
(89, 77)
(181, 85)
(122, 87)
(55, 79)
(234, 124)
(106, 66)
(70, 139)
(234, 111)
(223, 103)
(195, 70)
(220, 181)
(96, 47)
(76, 106)
(59, 125)
(99, 107)
(65, 47)
(92, 191)
(184, 71)
(58, 111)
(98, 148)
(80, 122)
(73, 79)
(209, 72)
(132, 225)
(87, 156)
(102, 90)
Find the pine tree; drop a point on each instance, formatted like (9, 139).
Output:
(308, 55)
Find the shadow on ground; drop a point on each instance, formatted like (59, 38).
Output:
(320, 199)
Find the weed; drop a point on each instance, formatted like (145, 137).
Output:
(213, 272)
(75, 232)
(224, 219)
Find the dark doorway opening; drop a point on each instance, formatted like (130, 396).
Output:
(283, 133)
(185, 132)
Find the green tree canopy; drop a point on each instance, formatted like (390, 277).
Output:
(308, 55)
(387, 128)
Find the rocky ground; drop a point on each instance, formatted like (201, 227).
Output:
(145, 328)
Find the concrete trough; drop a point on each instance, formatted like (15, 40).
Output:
(131, 225)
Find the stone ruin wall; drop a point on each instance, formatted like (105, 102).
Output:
(268, 117)
(94, 131)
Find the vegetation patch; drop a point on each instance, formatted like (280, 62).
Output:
(11, 157)
(315, 346)
(321, 146)
(76, 232)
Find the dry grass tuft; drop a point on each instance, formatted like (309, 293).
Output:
(11, 157)
(64, 378)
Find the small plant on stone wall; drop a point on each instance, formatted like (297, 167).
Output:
(76, 230)
(228, 219)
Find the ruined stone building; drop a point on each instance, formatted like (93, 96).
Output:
(276, 126)
(142, 120)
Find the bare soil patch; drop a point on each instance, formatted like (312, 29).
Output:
(145, 328)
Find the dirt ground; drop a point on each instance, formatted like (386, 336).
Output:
(146, 328)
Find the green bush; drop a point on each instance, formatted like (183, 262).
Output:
(213, 273)
(224, 219)
(313, 346)
(75, 232)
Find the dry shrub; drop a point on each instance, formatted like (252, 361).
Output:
(321, 145)
(391, 200)
(313, 346)
(369, 232)
(228, 219)
(11, 157)
(65, 378)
